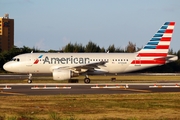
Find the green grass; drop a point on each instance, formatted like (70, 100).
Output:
(157, 106)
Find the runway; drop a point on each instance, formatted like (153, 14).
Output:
(77, 88)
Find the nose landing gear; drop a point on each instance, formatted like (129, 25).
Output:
(30, 78)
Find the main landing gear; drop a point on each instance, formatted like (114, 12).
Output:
(86, 79)
(30, 78)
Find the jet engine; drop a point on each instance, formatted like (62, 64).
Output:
(63, 74)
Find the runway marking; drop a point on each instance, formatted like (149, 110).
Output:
(111, 86)
(10, 93)
(6, 87)
(164, 86)
(136, 90)
(36, 87)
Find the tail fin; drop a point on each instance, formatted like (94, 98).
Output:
(156, 50)
(158, 46)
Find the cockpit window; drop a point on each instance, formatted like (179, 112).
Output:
(15, 59)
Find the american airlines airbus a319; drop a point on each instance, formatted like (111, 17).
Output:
(64, 66)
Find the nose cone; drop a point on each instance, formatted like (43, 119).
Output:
(7, 67)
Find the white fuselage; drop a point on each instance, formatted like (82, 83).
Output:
(47, 62)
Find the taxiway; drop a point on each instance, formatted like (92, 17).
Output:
(77, 88)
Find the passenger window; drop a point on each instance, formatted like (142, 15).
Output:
(18, 59)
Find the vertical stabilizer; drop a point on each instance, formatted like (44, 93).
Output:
(156, 50)
(160, 42)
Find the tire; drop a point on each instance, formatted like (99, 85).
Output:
(29, 81)
(87, 80)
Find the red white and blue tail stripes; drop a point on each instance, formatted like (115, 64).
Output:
(161, 40)
(156, 50)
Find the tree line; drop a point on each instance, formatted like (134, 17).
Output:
(93, 48)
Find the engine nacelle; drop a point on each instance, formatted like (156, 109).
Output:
(63, 74)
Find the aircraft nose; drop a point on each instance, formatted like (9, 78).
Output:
(7, 67)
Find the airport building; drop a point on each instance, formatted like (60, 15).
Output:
(6, 33)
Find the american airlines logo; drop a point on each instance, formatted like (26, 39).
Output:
(63, 60)
(69, 60)
(37, 60)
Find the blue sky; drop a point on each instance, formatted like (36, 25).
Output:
(51, 24)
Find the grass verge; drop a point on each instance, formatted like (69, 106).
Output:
(154, 106)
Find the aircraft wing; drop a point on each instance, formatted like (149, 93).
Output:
(84, 67)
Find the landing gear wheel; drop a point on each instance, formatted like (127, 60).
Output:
(87, 80)
(29, 81)
(30, 78)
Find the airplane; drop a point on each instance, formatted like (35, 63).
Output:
(64, 66)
